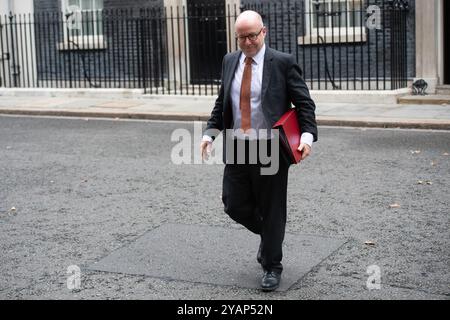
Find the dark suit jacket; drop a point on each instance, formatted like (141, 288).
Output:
(282, 84)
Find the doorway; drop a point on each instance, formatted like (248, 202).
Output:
(207, 39)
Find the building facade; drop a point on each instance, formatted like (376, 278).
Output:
(175, 45)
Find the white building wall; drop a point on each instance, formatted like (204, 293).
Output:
(16, 6)
(17, 45)
(429, 42)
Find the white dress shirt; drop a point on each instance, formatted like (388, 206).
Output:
(258, 120)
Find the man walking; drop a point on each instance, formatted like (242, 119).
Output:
(258, 86)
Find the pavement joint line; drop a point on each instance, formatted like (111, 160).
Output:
(314, 268)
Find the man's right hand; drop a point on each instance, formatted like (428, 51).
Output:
(205, 149)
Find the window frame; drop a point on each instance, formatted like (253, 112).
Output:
(83, 41)
(332, 34)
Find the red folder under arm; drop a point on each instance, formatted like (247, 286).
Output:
(289, 130)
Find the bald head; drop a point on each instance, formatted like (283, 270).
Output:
(249, 17)
(250, 32)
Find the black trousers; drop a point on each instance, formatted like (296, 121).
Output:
(258, 202)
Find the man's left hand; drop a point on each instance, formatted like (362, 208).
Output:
(305, 149)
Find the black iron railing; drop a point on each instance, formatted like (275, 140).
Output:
(340, 44)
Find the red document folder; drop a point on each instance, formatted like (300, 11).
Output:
(289, 130)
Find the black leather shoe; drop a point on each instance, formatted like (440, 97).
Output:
(270, 280)
(258, 256)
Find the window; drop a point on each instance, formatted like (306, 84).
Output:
(334, 21)
(83, 24)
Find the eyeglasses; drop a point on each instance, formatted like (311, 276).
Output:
(251, 36)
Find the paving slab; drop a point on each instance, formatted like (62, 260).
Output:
(39, 103)
(214, 255)
(118, 104)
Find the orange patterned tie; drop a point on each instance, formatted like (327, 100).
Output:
(244, 102)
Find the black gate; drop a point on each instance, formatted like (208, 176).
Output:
(207, 39)
(179, 49)
(399, 53)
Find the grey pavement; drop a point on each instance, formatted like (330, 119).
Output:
(74, 191)
(170, 107)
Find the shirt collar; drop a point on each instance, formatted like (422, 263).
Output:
(259, 58)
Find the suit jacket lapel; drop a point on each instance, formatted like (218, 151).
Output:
(267, 71)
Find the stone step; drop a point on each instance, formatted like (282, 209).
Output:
(443, 89)
(436, 99)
